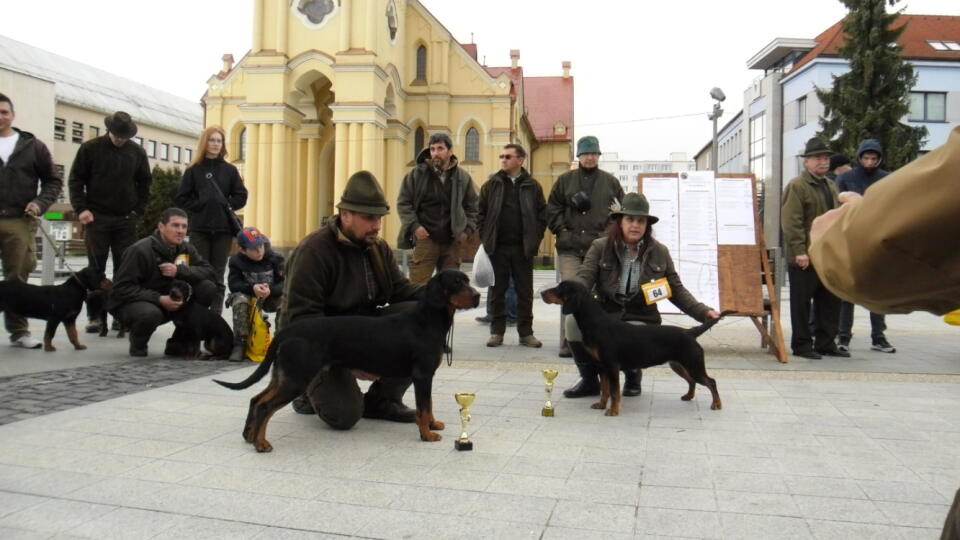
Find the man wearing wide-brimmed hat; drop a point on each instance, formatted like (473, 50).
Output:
(804, 198)
(577, 211)
(345, 268)
(109, 187)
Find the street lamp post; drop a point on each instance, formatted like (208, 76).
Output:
(719, 96)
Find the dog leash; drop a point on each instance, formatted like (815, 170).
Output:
(53, 244)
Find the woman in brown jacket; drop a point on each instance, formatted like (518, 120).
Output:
(616, 265)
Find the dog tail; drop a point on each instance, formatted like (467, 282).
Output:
(260, 372)
(698, 330)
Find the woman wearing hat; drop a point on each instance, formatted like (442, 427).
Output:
(616, 266)
(211, 190)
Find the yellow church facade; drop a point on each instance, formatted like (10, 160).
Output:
(330, 87)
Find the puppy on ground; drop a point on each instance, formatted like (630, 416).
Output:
(405, 344)
(53, 303)
(615, 345)
(196, 325)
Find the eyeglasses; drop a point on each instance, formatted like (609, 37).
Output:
(507, 156)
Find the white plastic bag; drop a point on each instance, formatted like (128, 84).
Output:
(482, 269)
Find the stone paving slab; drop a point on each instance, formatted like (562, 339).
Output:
(786, 457)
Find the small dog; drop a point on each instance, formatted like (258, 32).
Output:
(53, 303)
(615, 345)
(196, 324)
(405, 344)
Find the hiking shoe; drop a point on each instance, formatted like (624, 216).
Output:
(390, 410)
(26, 341)
(495, 340)
(564, 351)
(92, 327)
(883, 345)
(843, 345)
(486, 319)
(531, 341)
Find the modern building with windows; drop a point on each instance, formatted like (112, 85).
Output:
(63, 102)
(781, 110)
(330, 88)
(626, 171)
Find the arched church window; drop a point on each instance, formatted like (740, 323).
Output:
(242, 144)
(418, 142)
(421, 63)
(472, 145)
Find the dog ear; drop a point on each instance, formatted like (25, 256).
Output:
(572, 296)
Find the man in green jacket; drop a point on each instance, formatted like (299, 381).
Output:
(345, 268)
(577, 211)
(25, 162)
(804, 198)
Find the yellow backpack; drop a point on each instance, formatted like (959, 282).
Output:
(259, 339)
(952, 318)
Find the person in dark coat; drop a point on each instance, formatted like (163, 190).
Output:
(211, 190)
(109, 187)
(345, 268)
(25, 164)
(858, 180)
(256, 273)
(511, 221)
(141, 291)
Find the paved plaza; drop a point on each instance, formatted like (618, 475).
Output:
(95, 444)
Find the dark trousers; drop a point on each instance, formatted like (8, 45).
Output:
(878, 323)
(337, 398)
(17, 254)
(107, 235)
(215, 249)
(143, 318)
(510, 300)
(806, 289)
(509, 262)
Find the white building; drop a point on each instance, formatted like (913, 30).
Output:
(626, 171)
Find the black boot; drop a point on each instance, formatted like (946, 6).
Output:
(589, 383)
(631, 382)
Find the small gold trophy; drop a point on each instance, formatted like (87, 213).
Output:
(465, 399)
(549, 375)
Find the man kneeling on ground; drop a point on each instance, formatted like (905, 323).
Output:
(141, 292)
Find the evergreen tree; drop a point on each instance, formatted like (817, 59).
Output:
(162, 192)
(870, 100)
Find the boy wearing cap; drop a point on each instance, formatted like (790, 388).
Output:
(109, 187)
(256, 272)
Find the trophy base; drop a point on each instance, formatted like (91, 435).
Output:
(463, 445)
(546, 412)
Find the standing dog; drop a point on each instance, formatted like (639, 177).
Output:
(53, 303)
(405, 344)
(615, 345)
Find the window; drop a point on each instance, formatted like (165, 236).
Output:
(624, 167)
(138, 140)
(59, 129)
(176, 154)
(151, 148)
(757, 145)
(636, 167)
(944, 45)
(421, 63)
(58, 168)
(418, 141)
(928, 107)
(94, 131)
(472, 146)
(164, 151)
(243, 144)
(76, 135)
(802, 111)
(187, 155)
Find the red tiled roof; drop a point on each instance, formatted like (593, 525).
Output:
(514, 74)
(920, 28)
(549, 100)
(471, 49)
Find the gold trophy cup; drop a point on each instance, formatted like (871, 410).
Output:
(465, 399)
(549, 375)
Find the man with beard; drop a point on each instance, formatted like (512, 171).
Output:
(437, 205)
(345, 268)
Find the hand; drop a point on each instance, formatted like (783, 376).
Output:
(713, 314)
(261, 290)
(85, 217)
(363, 375)
(823, 222)
(421, 233)
(803, 261)
(32, 208)
(463, 238)
(168, 269)
(170, 304)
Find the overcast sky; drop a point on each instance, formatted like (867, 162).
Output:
(633, 60)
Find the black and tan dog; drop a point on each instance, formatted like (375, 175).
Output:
(615, 345)
(196, 325)
(53, 303)
(97, 302)
(405, 344)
